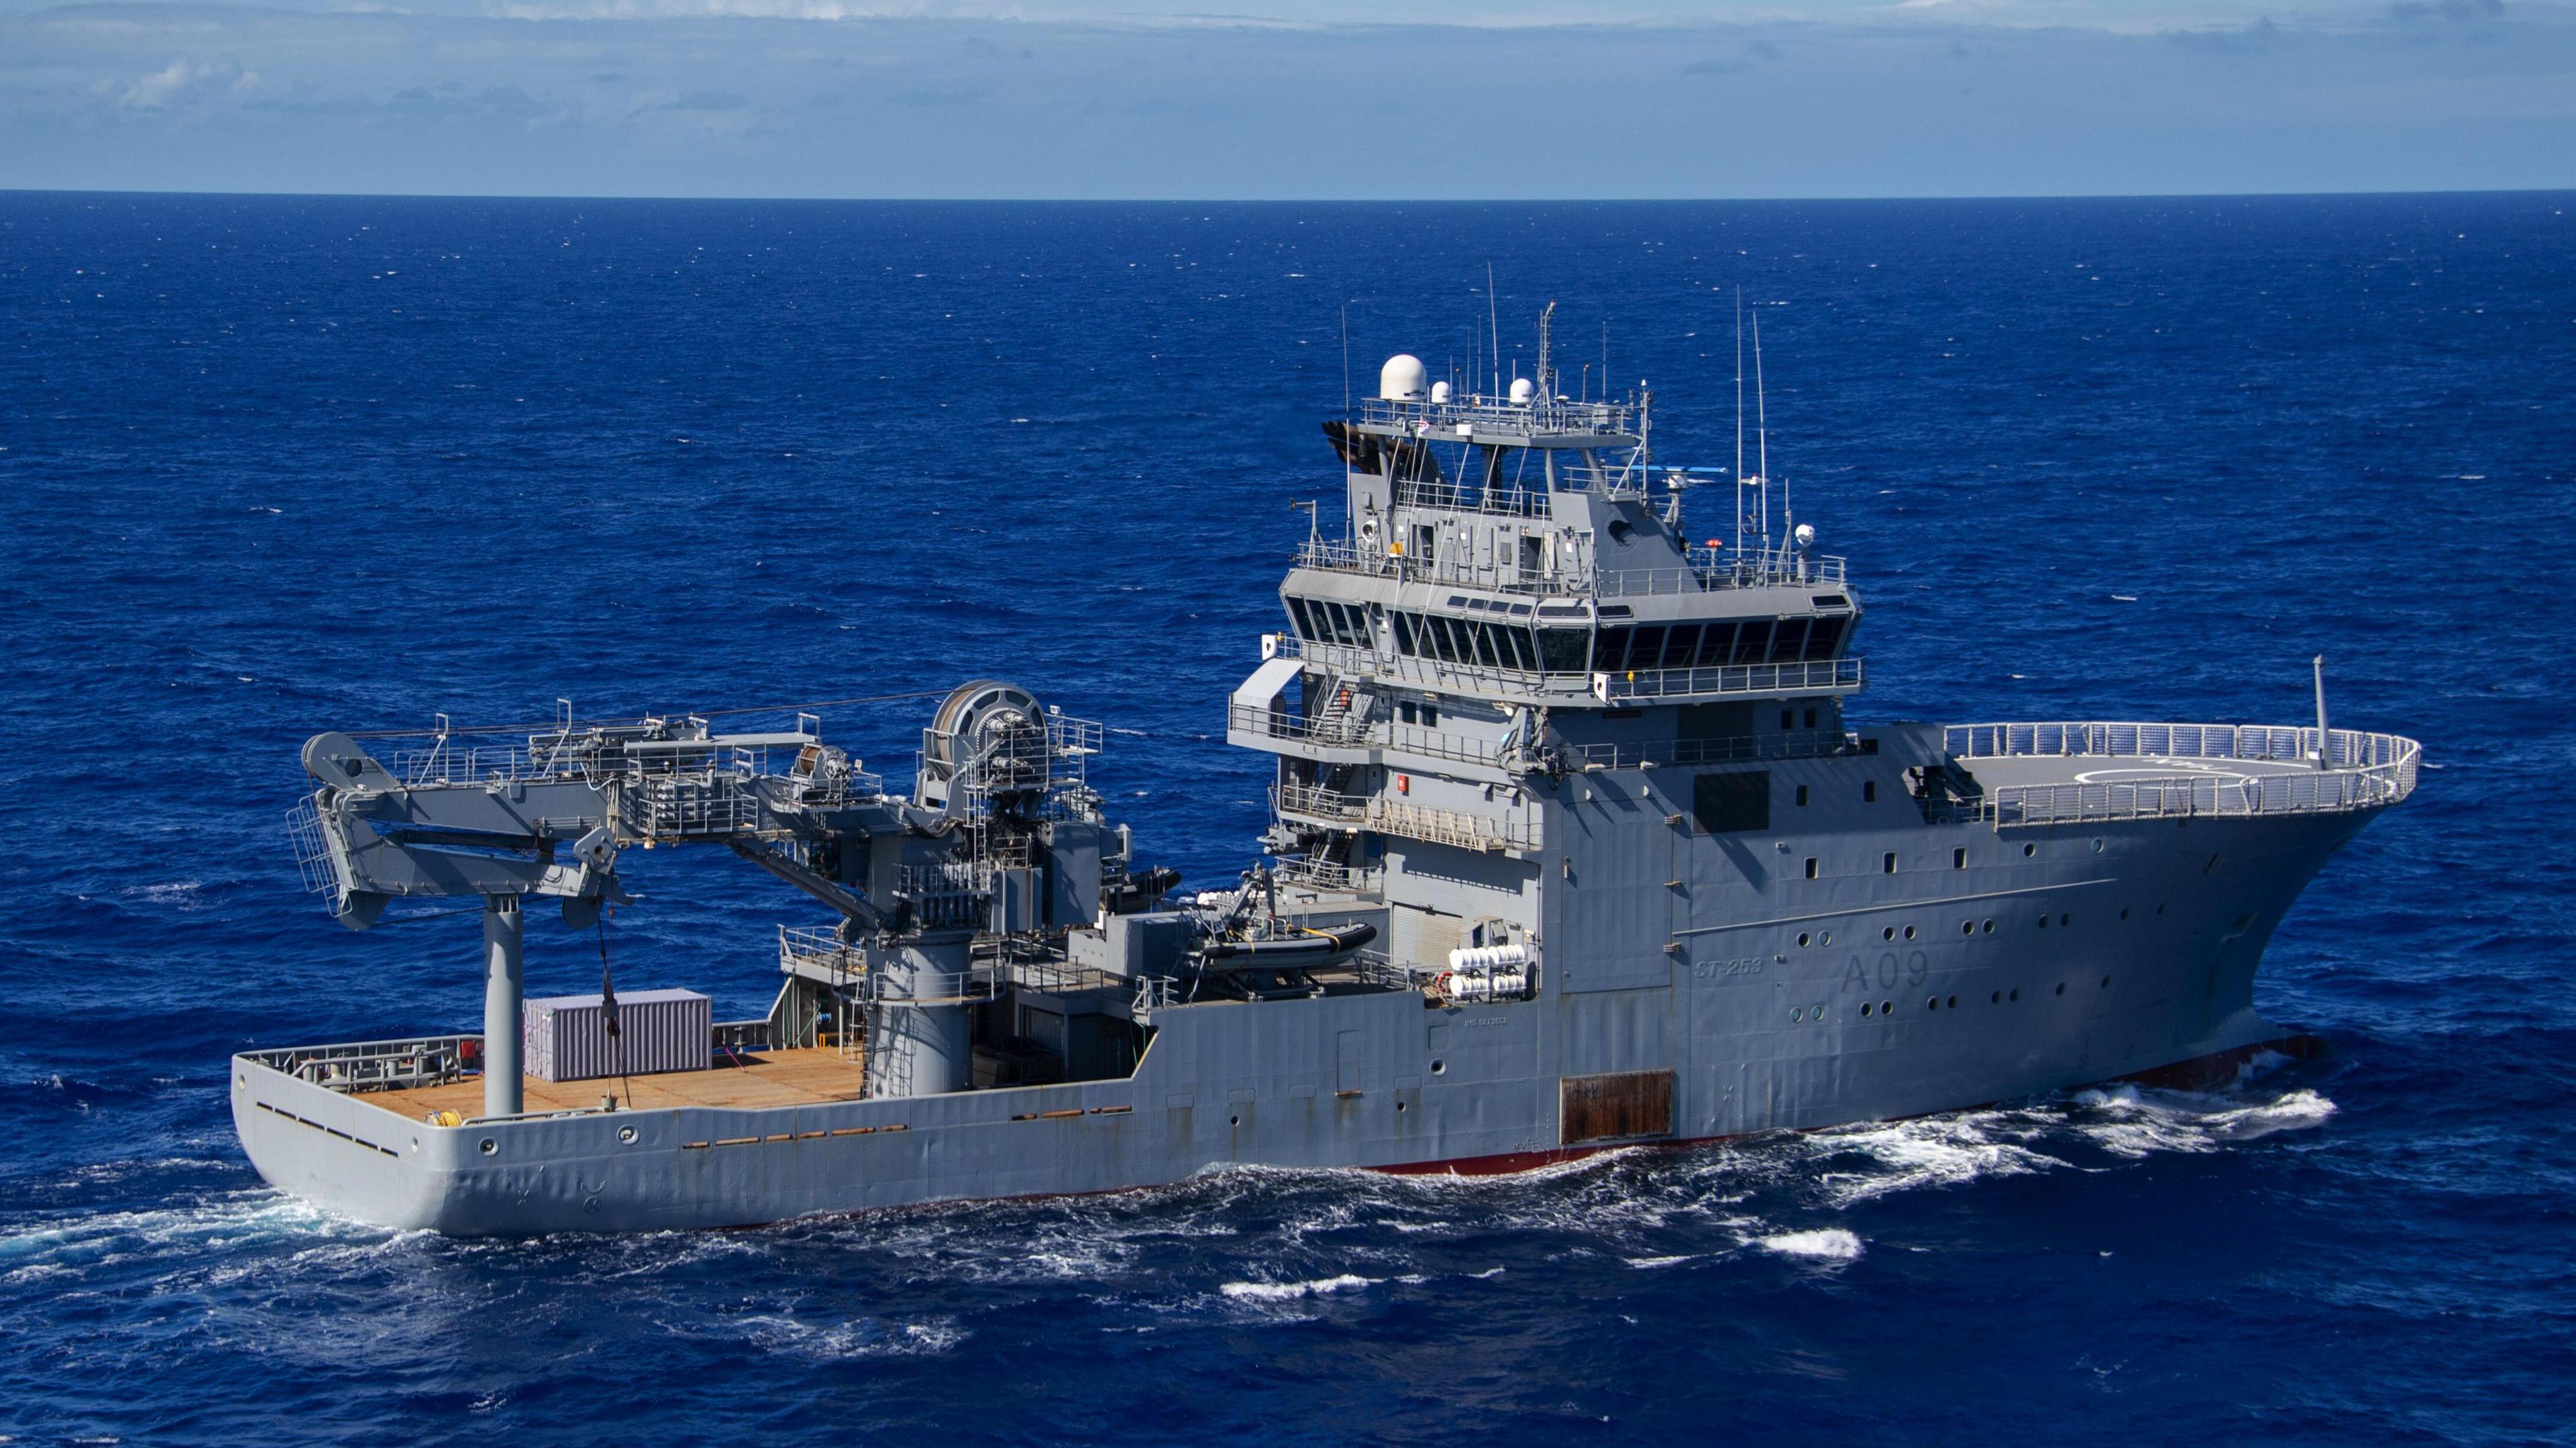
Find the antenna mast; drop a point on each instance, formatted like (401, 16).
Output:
(1739, 422)
(1761, 433)
(1546, 381)
(1494, 319)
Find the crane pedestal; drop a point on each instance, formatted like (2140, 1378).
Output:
(504, 972)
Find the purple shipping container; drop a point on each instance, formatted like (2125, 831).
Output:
(566, 1037)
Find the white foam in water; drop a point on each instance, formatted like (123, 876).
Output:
(1290, 1291)
(2134, 1123)
(1932, 1152)
(1832, 1244)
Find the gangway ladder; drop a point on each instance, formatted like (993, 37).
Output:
(1333, 725)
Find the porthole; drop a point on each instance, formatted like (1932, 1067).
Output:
(1825, 939)
(1439, 1068)
(2124, 912)
(1931, 1003)
(1399, 1108)
(1909, 932)
(1967, 927)
(626, 1134)
(1864, 1008)
(1798, 1014)
(1990, 927)
(1996, 999)
(1234, 1121)
(1887, 934)
(2029, 850)
(2097, 847)
(2160, 909)
(2106, 982)
(241, 1080)
(2065, 919)
(2043, 922)
(1802, 939)
(2061, 987)
(1952, 1003)
(2014, 994)
(1887, 1008)
(489, 1147)
(415, 1143)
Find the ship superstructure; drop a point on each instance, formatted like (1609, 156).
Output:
(1574, 847)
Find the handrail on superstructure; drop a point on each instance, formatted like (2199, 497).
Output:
(1709, 571)
(1486, 416)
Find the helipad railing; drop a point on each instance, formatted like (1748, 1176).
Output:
(2360, 770)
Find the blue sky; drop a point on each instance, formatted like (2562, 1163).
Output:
(1181, 98)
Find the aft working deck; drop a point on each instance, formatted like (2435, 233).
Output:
(749, 1080)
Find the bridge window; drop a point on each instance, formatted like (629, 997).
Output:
(1681, 646)
(1753, 642)
(1789, 641)
(1716, 645)
(1825, 640)
(1562, 650)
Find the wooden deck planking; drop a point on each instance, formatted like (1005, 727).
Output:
(767, 1078)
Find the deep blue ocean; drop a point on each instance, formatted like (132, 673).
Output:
(273, 466)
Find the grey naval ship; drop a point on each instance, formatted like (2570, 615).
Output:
(1575, 847)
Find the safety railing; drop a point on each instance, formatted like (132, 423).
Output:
(1811, 744)
(1315, 802)
(1820, 676)
(395, 1065)
(660, 806)
(1707, 571)
(1154, 993)
(1254, 720)
(806, 949)
(1494, 415)
(2359, 770)
(929, 987)
(1330, 875)
(1452, 827)
(1510, 502)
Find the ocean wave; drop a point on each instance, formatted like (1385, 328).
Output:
(1291, 1291)
(1831, 1244)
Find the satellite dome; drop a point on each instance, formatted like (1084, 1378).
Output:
(1804, 537)
(1403, 378)
(1440, 393)
(1522, 391)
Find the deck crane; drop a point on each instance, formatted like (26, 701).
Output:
(999, 835)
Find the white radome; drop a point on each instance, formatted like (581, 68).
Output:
(1403, 378)
(1522, 391)
(1804, 537)
(1440, 394)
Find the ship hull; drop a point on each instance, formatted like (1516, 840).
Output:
(2153, 931)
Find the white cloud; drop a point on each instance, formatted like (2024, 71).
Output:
(183, 81)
